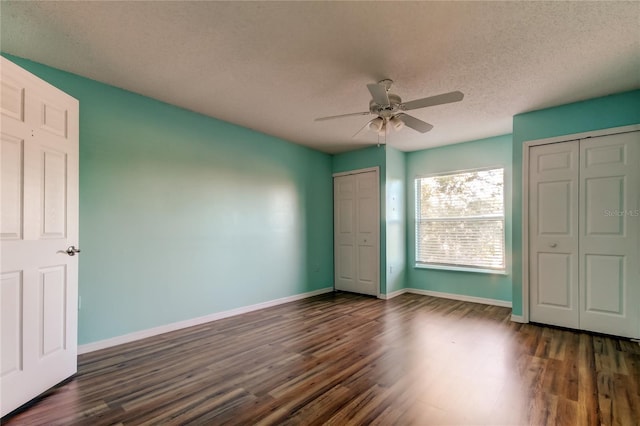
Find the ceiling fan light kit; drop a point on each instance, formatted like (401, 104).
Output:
(377, 124)
(389, 109)
(396, 123)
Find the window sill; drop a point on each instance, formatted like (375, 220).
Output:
(461, 269)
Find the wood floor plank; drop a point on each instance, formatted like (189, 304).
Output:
(346, 359)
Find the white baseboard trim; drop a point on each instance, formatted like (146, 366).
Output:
(393, 294)
(518, 318)
(142, 334)
(461, 297)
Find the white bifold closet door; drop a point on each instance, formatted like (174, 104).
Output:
(357, 232)
(584, 234)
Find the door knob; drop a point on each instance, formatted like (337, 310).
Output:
(553, 245)
(72, 250)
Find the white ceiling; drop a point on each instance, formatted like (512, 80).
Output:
(275, 66)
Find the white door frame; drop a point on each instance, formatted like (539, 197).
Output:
(375, 169)
(525, 199)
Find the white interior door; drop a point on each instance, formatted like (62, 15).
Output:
(610, 234)
(38, 223)
(357, 232)
(553, 233)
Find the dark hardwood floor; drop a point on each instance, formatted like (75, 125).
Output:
(345, 359)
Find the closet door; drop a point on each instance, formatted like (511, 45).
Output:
(610, 234)
(553, 234)
(356, 234)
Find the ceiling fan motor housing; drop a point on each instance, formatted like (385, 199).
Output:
(386, 111)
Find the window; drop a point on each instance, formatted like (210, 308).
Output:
(460, 220)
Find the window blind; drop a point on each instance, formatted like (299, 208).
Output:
(460, 219)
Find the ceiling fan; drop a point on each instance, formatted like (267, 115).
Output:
(389, 109)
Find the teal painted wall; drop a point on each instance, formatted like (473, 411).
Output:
(396, 222)
(374, 156)
(183, 215)
(494, 151)
(600, 113)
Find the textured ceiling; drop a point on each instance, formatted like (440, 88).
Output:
(275, 66)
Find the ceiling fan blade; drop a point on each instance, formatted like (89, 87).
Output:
(445, 98)
(342, 115)
(379, 94)
(415, 123)
(356, 134)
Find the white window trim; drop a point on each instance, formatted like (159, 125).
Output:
(461, 269)
(464, 268)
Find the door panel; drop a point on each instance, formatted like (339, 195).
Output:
(553, 233)
(53, 188)
(610, 234)
(54, 119)
(366, 265)
(357, 241)
(609, 192)
(554, 280)
(11, 293)
(554, 208)
(12, 172)
(346, 264)
(12, 96)
(346, 214)
(53, 289)
(605, 284)
(39, 221)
